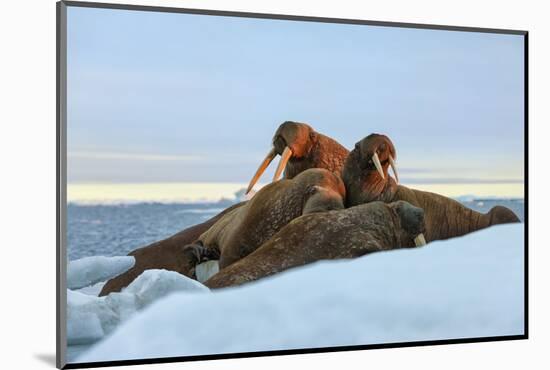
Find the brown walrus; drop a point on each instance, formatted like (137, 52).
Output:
(165, 254)
(241, 231)
(345, 233)
(366, 177)
(301, 148)
(310, 150)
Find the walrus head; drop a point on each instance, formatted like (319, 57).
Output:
(292, 140)
(365, 171)
(377, 152)
(411, 220)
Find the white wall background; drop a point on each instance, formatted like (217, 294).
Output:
(27, 145)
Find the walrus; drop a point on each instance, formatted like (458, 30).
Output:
(165, 254)
(365, 174)
(241, 231)
(301, 148)
(337, 234)
(309, 148)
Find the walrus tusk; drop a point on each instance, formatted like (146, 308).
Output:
(376, 161)
(419, 241)
(394, 168)
(287, 153)
(206, 270)
(267, 160)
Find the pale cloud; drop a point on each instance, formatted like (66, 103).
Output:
(133, 156)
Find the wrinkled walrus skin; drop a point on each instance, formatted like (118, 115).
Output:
(445, 218)
(346, 233)
(315, 150)
(310, 149)
(241, 231)
(165, 254)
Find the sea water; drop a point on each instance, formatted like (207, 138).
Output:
(117, 229)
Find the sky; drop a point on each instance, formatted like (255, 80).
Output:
(175, 98)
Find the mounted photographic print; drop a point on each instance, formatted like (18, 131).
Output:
(235, 184)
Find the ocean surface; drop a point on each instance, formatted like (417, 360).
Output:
(117, 229)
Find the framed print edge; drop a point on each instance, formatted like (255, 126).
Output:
(287, 17)
(61, 186)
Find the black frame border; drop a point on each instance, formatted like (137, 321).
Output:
(61, 171)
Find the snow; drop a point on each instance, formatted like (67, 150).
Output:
(91, 270)
(154, 284)
(461, 288)
(83, 323)
(90, 318)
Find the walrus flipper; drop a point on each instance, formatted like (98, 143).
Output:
(197, 253)
(502, 215)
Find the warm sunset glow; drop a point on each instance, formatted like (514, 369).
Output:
(196, 192)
